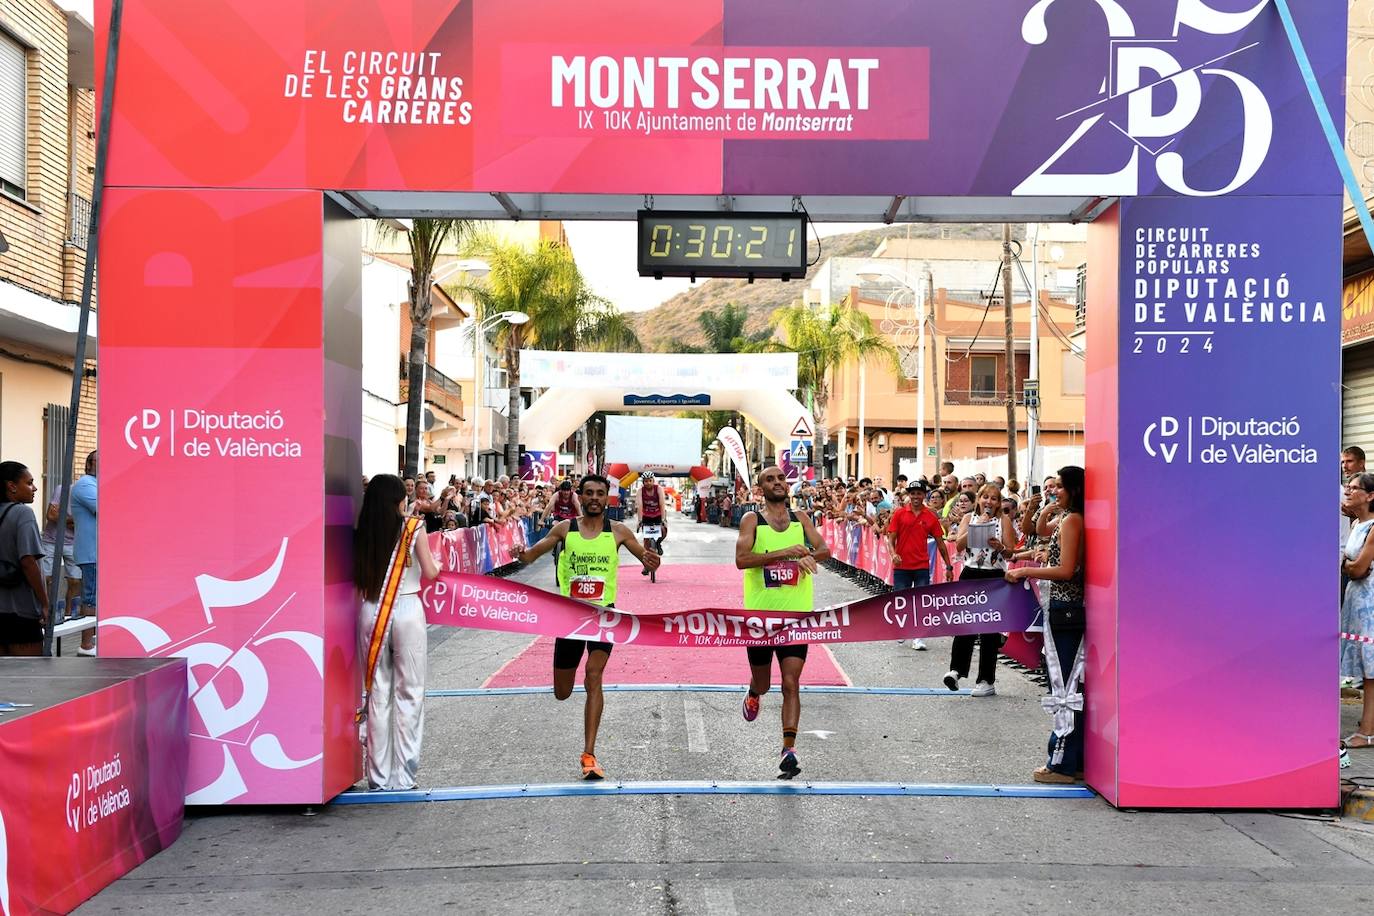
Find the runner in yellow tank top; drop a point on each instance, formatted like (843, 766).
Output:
(587, 570)
(779, 551)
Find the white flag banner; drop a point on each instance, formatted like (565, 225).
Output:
(664, 374)
(734, 447)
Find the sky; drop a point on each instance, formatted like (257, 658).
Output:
(85, 7)
(605, 251)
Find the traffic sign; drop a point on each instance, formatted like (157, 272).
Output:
(801, 451)
(802, 430)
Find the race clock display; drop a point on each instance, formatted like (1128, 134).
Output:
(705, 244)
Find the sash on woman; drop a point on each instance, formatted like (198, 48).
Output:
(390, 590)
(1066, 695)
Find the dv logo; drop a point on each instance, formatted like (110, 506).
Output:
(1155, 436)
(74, 803)
(1142, 69)
(146, 421)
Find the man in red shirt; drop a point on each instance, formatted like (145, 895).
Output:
(907, 533)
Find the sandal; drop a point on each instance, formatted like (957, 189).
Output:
(1367, 741)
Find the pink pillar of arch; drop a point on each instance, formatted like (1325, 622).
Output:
(230, 417)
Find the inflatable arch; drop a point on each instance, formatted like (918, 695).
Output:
(560, 411)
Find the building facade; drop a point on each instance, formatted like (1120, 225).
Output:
(458, 408)
(386, 368)
(965, 356)
(1357, 306)
(47, 164)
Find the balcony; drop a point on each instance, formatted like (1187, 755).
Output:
(1080, 311)
(78, 220)
(441, 391)
(979, 397)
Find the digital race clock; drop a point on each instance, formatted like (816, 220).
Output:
(706, 244)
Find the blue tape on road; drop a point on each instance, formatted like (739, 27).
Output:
(699, 688)
(574, 789)
(1333, 136)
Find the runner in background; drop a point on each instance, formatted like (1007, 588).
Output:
(779, 557)
(587, 570)
(651, 510)
(565, 508)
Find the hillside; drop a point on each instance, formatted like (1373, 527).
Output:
(676, 319)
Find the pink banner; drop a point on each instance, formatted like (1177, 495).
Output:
(980, 606)
(94, 785)
(477, 550)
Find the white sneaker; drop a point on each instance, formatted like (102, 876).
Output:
(919, 645)
(983, 689)
(952, 680)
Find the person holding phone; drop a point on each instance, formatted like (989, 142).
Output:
(988, 562)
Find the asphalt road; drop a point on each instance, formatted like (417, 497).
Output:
(744, 854)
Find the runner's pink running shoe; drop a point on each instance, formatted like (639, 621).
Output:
(751, 707)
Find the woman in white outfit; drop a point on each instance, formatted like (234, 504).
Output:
(1357, 605)
(394, 654)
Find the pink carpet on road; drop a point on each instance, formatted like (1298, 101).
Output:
(679, 587)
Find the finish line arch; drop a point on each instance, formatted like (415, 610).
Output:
(759, 386)
(232, 194)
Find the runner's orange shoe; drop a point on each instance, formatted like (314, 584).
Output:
(590, 768)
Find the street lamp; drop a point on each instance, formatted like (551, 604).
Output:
(899, 322)
(479, 387)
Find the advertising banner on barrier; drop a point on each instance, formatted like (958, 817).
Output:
(94, 785)
(980, 606)
(477, 550)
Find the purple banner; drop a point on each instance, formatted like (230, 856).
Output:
(1229, 375)
(1067, 97)
(977, 606)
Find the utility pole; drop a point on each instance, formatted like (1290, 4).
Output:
(1010, 332)
(936, 361)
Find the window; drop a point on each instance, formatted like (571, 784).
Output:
(14, 64)
(1073, 383)
(983, 377)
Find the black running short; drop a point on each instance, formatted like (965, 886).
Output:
(568, 652)
(19, 631)
(763, 655)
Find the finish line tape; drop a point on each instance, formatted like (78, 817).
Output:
(699, 688)
(948, 609)
(1354, 637)
(701, 787)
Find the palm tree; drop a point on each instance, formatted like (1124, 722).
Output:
(825, 339)
(426, 239)
(543, 282)
(724, 329)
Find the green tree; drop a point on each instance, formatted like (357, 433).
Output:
(426, 238)
(724, 329)
(825, 339)
(543, 282)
